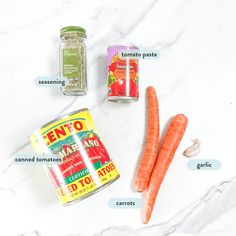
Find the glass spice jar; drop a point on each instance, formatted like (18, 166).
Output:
(73, 60)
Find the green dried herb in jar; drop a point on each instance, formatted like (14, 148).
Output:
(73, 60)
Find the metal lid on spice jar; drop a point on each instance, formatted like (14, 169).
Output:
(76, 29)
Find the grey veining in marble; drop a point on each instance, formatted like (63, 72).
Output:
(194, 75)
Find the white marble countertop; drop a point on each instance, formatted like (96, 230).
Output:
(195, 75)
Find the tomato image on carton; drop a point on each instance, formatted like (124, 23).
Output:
(122, 75)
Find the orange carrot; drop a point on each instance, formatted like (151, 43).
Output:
(168, 147)
(149, 156)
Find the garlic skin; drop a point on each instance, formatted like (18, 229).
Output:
(194, 149)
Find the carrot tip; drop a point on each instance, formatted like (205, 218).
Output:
(151, 88)
(145, 219)
(139, 187)
(139, 190)
(182, 115)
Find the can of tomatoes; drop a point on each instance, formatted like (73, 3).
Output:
(122, 75)
(86, 166)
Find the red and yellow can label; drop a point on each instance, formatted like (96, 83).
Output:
(86, 184)
(86, 164)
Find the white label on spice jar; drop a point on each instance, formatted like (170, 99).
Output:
(71, 63)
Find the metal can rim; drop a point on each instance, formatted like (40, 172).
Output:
(119, 45)
(60, 117)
